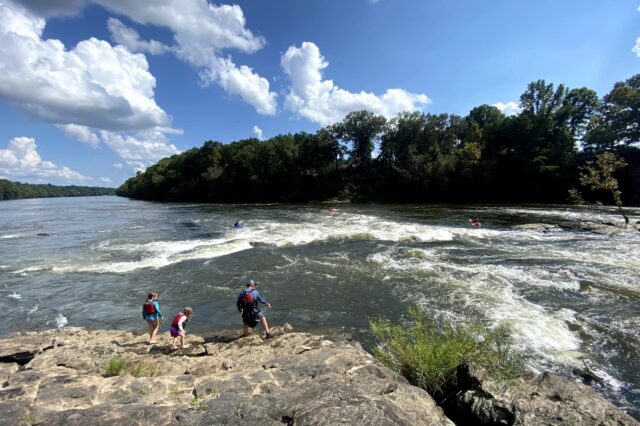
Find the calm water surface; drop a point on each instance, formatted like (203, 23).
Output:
(572, 298)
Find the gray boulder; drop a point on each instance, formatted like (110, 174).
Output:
(546, 399)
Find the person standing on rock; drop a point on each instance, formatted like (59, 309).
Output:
(152, 314)
(178, 326)
(247, 305)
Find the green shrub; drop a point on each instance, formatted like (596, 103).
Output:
(428, 357)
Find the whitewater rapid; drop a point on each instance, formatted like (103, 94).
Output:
(571, 298)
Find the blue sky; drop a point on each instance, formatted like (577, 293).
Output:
(93, 90)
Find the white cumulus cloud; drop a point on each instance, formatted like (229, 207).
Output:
(53, 7)
(321, 101)
(636, 48)
(94, 84)
(257, 132)
(141, 150)
(22, 161)
(243, 82)
(509, 108)
(201, 31)
(81, 133)
(130, 38)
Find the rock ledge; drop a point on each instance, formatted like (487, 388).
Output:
(59, 377)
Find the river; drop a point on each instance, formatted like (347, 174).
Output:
(572, 298)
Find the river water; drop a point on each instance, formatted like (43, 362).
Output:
(572, 298)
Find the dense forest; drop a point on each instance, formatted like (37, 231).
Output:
(15, 190)
(564, 145)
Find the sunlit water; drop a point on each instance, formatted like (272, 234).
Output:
(572, 298)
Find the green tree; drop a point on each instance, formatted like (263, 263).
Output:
(599, 176)
(361, 129)
(618, 123)
(486, 116)
(541, 100)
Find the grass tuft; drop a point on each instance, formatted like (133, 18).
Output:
(428, 357)
(198, 404)
(137, 368)
(115, 366)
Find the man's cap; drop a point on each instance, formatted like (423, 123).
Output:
(249, 282)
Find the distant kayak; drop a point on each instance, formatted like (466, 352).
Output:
(238, 225)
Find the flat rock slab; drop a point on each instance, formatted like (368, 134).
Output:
(75, 376)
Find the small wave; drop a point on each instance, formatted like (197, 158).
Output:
(224, 290)
(9, 236)
(32, 310)
(14, 295)
(173, 252)
(607, 378)
(24, 271)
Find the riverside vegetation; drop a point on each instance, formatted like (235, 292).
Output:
(429, 358)
(545, 153)
(15, 190)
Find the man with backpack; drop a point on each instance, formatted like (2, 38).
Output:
(247, 305)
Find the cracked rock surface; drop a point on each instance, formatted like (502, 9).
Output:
(61, 377)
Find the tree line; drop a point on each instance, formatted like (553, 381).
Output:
(14, 190)
(540, 155)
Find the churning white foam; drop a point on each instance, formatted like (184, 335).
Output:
(24, 271)
(491, 290)
(14, 295)
(162, 253)
(61, 320)
(314, 227)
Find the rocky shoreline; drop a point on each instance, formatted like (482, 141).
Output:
(74, 376)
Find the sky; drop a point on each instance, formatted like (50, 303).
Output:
(92, 91)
